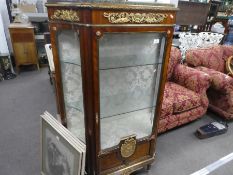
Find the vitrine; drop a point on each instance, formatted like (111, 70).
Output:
(110, 65)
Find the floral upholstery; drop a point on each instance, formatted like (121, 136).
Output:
(220, 93)
(175, 58)
(178, 99)
(211, 57)
(185, 96)
(227, 51)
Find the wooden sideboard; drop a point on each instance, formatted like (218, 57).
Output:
(24, 45)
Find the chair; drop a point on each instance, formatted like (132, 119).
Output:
(185, 96)
(49, 53)
(212, 61)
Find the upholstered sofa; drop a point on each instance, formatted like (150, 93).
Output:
(212, 61)
(185, 96)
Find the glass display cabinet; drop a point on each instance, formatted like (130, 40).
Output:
(110, 66)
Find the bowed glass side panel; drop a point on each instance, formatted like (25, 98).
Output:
(70, 61)
(129, 76)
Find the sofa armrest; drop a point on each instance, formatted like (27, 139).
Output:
(219, 80)
(191, 78)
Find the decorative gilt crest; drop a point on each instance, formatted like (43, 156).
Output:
(66, 15)
(128, 147)
(124, 17)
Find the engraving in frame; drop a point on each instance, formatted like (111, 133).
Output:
(66, 15)
(128, 146)
(124, 17)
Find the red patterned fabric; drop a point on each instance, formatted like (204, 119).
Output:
(220, 93)
(175, 58)
(219, 81)
(227, 51)
(184, 99)
(211, 57)
(167, 105)
(178, 99)
(185, 96)
(191, 78)
(221, 112)
(176, 120)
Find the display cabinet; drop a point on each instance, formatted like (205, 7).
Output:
(110, 65)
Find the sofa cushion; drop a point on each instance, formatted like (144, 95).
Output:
(179, 99)
(211, 57)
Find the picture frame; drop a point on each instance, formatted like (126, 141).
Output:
(61, 152)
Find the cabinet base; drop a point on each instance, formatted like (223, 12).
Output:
(127, 170)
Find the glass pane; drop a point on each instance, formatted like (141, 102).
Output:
(69, 54)
(142, 52)
(130, 70)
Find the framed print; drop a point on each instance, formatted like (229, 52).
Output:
(62, 153)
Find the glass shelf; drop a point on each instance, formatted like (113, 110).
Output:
(138, 122)
(70, 62)
(125, 90)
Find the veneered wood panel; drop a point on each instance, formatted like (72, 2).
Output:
(24, 46)
(22, 37)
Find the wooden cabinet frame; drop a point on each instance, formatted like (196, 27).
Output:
(91, 23)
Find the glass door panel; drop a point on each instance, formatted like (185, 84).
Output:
(129, 73)
(70, 61)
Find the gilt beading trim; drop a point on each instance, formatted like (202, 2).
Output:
(124, 17)
(66, 15)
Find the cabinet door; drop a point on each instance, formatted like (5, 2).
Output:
(129, 76)
(25, 53)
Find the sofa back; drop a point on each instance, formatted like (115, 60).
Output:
(175, 58)
(210, 57)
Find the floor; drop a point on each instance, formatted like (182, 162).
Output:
(24, 98)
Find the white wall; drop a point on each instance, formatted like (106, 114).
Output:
(27, 1)
(6, 21)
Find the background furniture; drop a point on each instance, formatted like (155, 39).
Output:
(212, 61)
(192, 13)
(48, 49)
(190, 40)
(185, 96)
(110, 63)
(24, 46)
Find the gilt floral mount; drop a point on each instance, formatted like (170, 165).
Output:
(124, 17)
(66, 15)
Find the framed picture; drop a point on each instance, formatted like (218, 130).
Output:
(62, 153)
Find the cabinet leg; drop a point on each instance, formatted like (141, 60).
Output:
(17, 69)
(148, 167)
(38, 67)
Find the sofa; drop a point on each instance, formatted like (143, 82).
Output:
(185, 96)
(212, 60)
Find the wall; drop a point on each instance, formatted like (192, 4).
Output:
(6, 22)
(28, 1)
